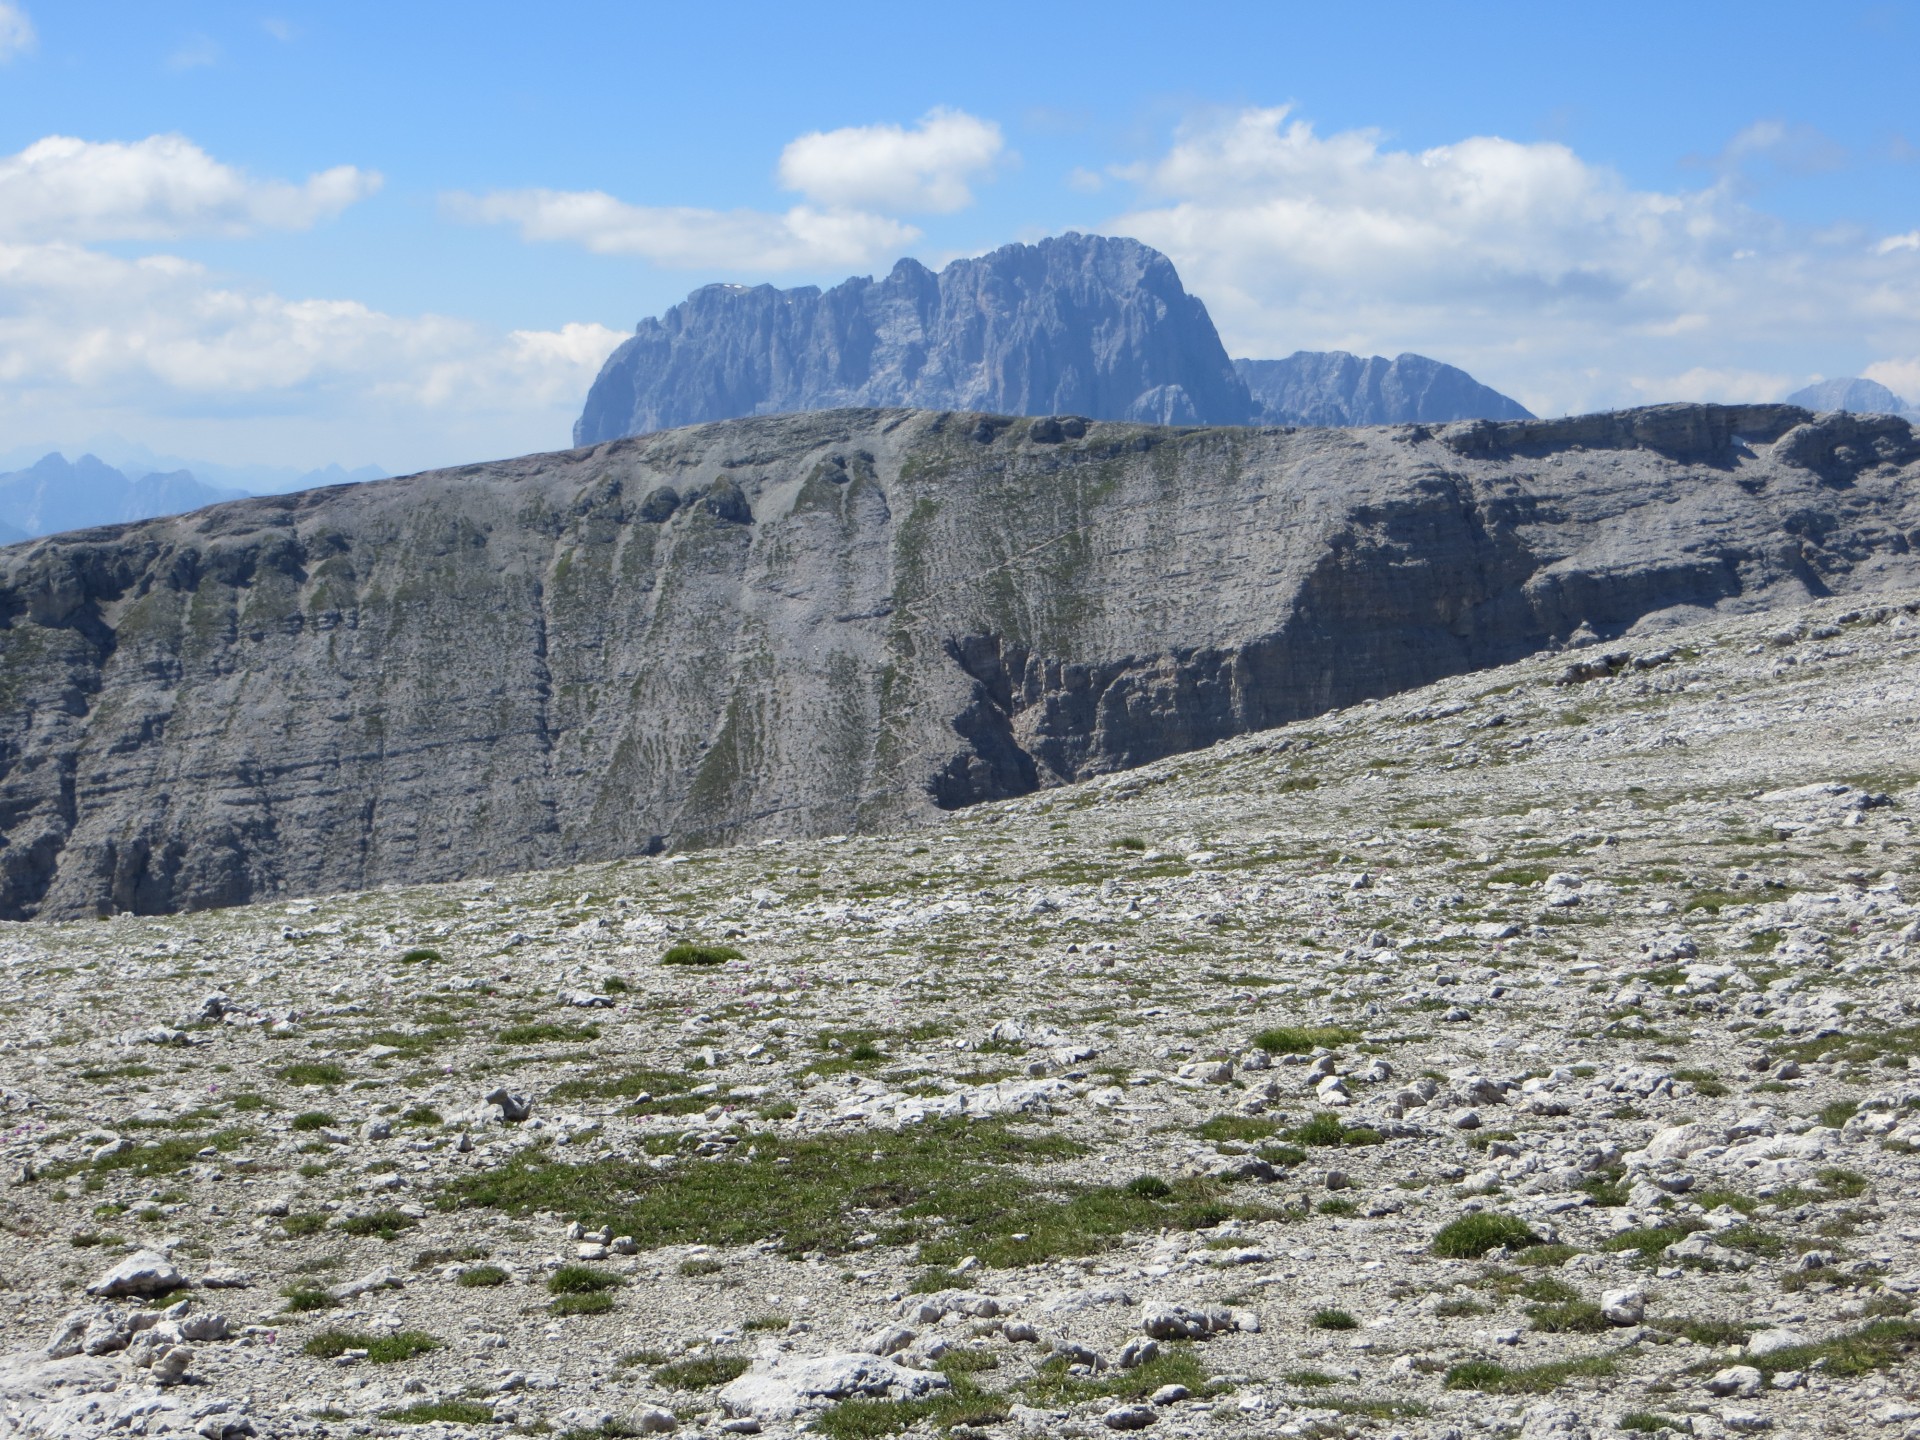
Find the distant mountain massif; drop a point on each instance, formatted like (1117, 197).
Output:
(1085, 325)
(1857, 396)
(55, 494)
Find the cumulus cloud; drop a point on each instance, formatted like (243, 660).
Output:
(685, 237)
(73, 316)
(1902, 376)
(1546, 275)
(150, 343)
(87, 333)
(892, 169)
(16, 31)
(163, 187)
(856, 181)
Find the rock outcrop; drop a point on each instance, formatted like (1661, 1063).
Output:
(811, 624)
(1085, 324)
(1331, 387)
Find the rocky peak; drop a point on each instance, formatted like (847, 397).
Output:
(1077, 324)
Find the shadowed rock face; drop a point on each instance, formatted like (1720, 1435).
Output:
(808, 624)
(1331, 387)
(1082, 324)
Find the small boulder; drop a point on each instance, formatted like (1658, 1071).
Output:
(1623, 1307)
(1737, 1380)
(513, 1108)
(147, 1272)
(1772, 1342)
(1175, 1322)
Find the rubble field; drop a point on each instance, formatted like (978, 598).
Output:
(1531, 1054)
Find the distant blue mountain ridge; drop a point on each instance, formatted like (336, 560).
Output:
(55, 493)
(1861, 397)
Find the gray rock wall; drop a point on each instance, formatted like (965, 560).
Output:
(1077, 323)
(808, 624)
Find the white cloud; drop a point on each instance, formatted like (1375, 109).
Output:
(16, 32)
(160, 338)
(892, 169)
(856, 182)
(163, 348)
(164, 186)
(681, 236)
(1900, 376)
(1545, 275)
(1908, 241)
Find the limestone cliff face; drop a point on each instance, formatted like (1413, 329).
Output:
(811, 623)
(1092, 324)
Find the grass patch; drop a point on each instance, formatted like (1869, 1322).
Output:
(1646, 1422)
(1858, 1352)
(451, 1412)
(582, 1280)
(1174, 1365)
(1237, 1127)
(1705, 1082)
(1490, 1377)
(630, 1086)
(964, 1403)
(1333, 1320)
(1650, 1242)
(1710, 1332)
(1304, 1039)
(593, 1302)
(947, 1185)
(1326, 1128)
(701, 1265)
(689, 953)
(312, 1120)
(482, 1277)
(1836, 1114)
(703, 1372)
(381, 1349)
(386, 1224)
(1472, 1236)
(967, 1362)
(547, 1031)
(1570, 1317)
(305, 1299)
(313, 1072)
(420, 957)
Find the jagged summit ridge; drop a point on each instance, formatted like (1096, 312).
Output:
(1087, 325)
(1077, 324)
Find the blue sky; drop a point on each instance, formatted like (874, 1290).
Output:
(407, 234)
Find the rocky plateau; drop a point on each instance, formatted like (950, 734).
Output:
(1531, 1053)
